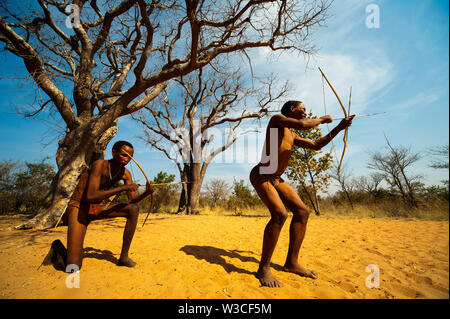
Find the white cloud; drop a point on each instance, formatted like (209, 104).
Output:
(420, 99)
(367, 75)
(346, 61)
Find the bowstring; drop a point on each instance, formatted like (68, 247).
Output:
(325, 107)
(132, 175)
(132, 172)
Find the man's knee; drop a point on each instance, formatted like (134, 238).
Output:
(279, 216)
(133, 210)
(302, 213)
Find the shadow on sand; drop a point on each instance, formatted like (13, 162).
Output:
(90, 252)
(215, 255)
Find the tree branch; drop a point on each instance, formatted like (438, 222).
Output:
(36, 68)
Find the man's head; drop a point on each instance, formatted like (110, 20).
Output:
(294, 109)
(120, 150)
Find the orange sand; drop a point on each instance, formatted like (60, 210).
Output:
(217, 256)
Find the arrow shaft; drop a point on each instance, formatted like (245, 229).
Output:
(160, 184)
(363, 115)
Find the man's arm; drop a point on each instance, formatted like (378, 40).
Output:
(132, 198)
(280, 120)
(318, 144)
(94, 193)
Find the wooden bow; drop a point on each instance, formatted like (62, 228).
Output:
(145, 175)
(345, 116)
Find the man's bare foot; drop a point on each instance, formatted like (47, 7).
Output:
(266, 278)
(300, 270)
(126, 261)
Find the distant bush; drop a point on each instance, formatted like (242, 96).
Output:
(165, 197)
(432, 203)
(242, 198)
(24, 186)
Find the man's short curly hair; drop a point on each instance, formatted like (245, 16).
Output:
(118, 145)
(287, 106)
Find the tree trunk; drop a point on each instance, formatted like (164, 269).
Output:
(316, 210)
(348, 196)
(316, 207)
(194, 187)
(399, 185)
(75, 152)
(317, 203)
(182, 205)
(190, 193)
(411, 195)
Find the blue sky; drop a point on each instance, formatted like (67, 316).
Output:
(401, 68)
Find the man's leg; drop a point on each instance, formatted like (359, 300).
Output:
(131, 212)
(271, 199)
(75, 236)
(297, 230)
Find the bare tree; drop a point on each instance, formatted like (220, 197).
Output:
(393, 165)
(217, 190)
(7, 174)
(342, 176)
(440, 157)
(369, 184)
(214, 105)
(95, 62)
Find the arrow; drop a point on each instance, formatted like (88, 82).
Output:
(160, 184)
(363, 115)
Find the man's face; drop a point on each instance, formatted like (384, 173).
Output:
(299, 111)
(121, 156)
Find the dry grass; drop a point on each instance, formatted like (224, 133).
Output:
(258, 211)
(436, 210)
(426, 211)
(388, 210)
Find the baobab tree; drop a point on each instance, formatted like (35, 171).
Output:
(95, 61)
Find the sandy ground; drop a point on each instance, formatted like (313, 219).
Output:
(217, 256)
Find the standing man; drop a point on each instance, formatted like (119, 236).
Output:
(276, 194)
(88, 203)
